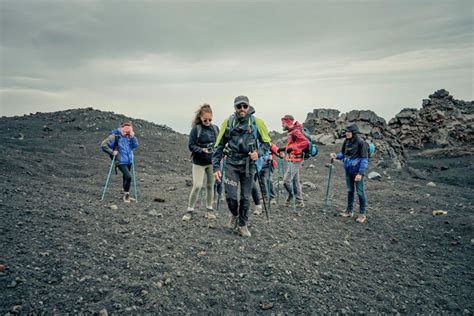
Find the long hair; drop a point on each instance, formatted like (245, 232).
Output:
(205, 108)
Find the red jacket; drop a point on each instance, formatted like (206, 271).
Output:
(297, 141)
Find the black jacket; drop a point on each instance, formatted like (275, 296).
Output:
(207, 139)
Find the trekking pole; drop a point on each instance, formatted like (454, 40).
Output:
(292, 185)
(328, 186)
(269, 182)
(278, 182)
(108, 177)
(134, 181)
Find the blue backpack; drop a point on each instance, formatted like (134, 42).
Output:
(261, 159)
(371, 148)
(312, 149)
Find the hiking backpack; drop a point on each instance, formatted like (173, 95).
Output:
(199, 130)
(371, 148)
(311, 150)
(261, 159)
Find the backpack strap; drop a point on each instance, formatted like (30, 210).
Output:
(199, 130)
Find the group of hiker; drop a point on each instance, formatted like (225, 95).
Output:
(240, 154)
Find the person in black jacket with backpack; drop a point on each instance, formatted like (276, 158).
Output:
(355, 155)
(201, 143)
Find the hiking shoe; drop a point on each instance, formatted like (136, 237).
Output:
(258, 210)
(126, 197)
(233, 222)
(210, 214)
(361, 218)
(346, 214)
(187, 217)
(273, 202)
(244, 231)
(299, 204)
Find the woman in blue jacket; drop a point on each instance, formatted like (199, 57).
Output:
(121, 143)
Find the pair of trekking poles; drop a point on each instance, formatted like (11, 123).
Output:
(281, 168)
(134, 179)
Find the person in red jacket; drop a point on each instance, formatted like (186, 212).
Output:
(297, 142)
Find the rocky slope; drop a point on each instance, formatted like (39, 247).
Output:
(65, 251)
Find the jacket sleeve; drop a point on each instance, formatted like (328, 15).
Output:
(340, 155)
(107, 144)
(193, 141)
(301, 142)
(133, 143)
(364, 157)
(221, 141)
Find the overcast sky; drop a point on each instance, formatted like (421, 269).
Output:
(159, 60)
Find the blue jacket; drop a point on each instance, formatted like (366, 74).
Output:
(355, 154)
(125, 146)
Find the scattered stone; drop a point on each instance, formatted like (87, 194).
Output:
(431, 184)
(159, 200)
(155, 213)
(439, 212)
(3, 267)
(309, 185)
(20, 136)
(201, 253)
(12, 285)
(103, 312)
(168, 281)
(16, 309)
(472, 242)
(266, 306)
(375, 176)
(189, 182)
(114, 207)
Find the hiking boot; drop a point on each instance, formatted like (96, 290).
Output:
(346, 214)
(126, 197)
(244, 231)
(258, 210)
(210, 214)
(299, 204)
(361, 218)
(273, 202)
(187, 217)
(233, 222)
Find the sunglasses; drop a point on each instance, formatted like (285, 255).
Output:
(241, 105)
(206, 120)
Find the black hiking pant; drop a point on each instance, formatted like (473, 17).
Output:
(235, 175)
(127, 177)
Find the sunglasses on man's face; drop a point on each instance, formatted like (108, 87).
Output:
(241, 105)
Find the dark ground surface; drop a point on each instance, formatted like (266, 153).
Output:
(66, 251)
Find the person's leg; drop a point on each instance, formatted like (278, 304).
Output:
(127, 180)
(350, 183)
(255, 192)
(297, 183)
(361, 193)
(209, 186)
(231, 181)
(287, 181)
(198, 177)
(246, 184)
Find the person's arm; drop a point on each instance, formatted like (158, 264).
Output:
(133, 143)
(219, 147)
(301, 142)
(364, 157)
(193, 141)
(107, 144)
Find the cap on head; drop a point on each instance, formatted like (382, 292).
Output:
(241, 99)
(353, 129)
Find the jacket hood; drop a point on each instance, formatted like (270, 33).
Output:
(296, 125)
(116, 131)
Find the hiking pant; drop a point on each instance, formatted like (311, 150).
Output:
(264, 175)
(235, 175)
(256, 191)
(359, 187)
(127, 177)
(199, 172)
(292, 182)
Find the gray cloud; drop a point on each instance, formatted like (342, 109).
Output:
(160, 60)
